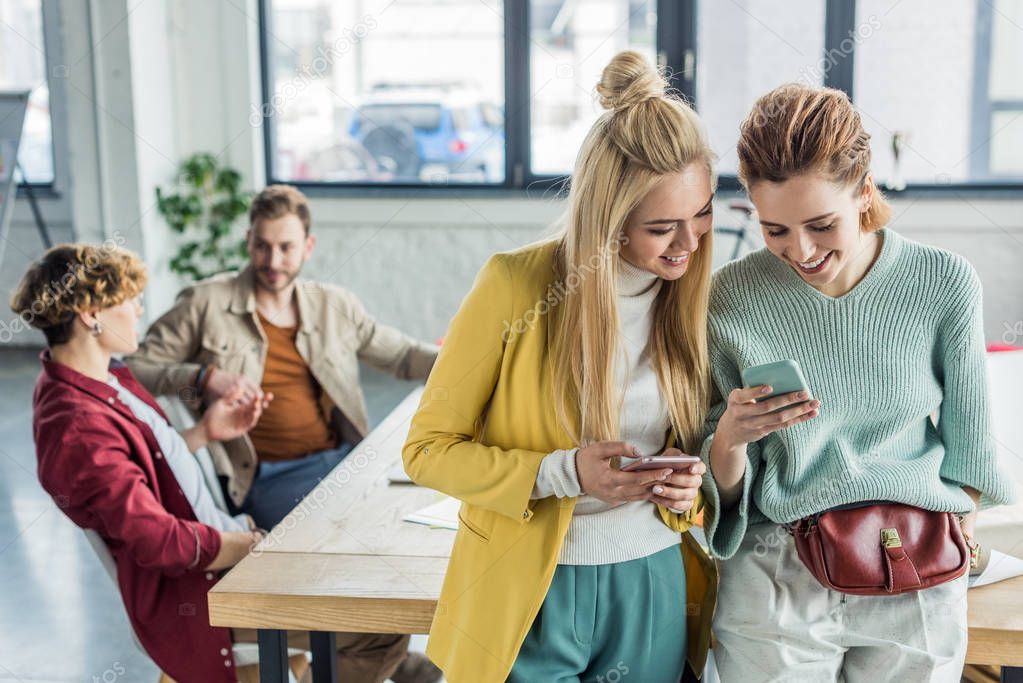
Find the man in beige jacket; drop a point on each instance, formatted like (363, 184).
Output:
(299, 344)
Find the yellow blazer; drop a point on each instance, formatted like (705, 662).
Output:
(485, 422)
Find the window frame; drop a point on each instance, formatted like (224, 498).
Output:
(53, 53)
(52, 196)
(982, 105)
(676, 50)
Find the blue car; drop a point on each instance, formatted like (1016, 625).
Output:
(432, 134)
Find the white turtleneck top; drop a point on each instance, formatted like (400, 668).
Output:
(600, 533)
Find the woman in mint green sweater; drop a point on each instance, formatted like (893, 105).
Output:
(887, 332)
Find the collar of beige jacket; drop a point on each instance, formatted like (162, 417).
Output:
(243, 299)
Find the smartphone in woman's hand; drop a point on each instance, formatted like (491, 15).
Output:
(784, 377)
(678, 463)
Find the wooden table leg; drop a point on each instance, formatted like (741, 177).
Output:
(1012, 674)
(324, 648)
(273, 656)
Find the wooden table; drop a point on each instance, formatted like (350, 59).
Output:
(345, 561)
(996, 627)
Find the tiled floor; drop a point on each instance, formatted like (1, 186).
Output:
(61, 618)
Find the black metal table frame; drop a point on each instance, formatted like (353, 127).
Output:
(273, 656)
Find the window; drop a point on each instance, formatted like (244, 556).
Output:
(570, 44)
(23, 67)
(939, 83)
(998, 111)
(382, 91)
(746, 48)
(500, 93)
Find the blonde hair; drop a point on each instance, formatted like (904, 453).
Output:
(646, 134)
(797, 129)
(75, 278)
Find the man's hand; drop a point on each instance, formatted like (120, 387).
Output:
(234, 414)
(220, 383)
(228, 418)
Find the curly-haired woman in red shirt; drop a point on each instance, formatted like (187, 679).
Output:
(109, 458)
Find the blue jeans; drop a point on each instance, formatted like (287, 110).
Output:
(280, 486)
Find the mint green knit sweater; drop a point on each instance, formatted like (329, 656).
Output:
(904, 343)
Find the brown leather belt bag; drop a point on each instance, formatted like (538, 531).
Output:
(881, 548)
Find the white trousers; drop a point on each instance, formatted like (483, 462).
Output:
(775, 622)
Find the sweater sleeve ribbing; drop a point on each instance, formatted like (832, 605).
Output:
(725, 528)
(964, 424)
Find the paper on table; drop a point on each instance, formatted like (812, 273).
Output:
(443, 514)
(999, 568)
(397, 474)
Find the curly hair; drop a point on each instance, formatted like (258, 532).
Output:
(75, 278)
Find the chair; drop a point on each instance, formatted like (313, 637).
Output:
(246, 655)
(182, 419)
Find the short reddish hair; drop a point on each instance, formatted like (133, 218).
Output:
(797, 129)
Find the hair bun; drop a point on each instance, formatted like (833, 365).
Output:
(628, 80)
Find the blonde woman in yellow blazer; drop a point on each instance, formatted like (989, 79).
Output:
(544, 322)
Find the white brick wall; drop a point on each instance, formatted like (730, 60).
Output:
(414, 271)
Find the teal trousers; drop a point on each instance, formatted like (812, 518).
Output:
(609, 623)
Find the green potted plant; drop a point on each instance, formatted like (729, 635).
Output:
(204, 206)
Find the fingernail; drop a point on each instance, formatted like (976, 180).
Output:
(804, 394)
(766, 389)
(658, 490)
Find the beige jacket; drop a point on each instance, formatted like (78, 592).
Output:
(214, 322)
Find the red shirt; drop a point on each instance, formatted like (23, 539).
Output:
(104, 469)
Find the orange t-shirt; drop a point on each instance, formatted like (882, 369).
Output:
(293, 424)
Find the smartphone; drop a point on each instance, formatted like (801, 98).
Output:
(784, 377)
(656, 462)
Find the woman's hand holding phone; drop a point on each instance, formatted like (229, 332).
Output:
(679, 490)
(750, 416)
(600, 479)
